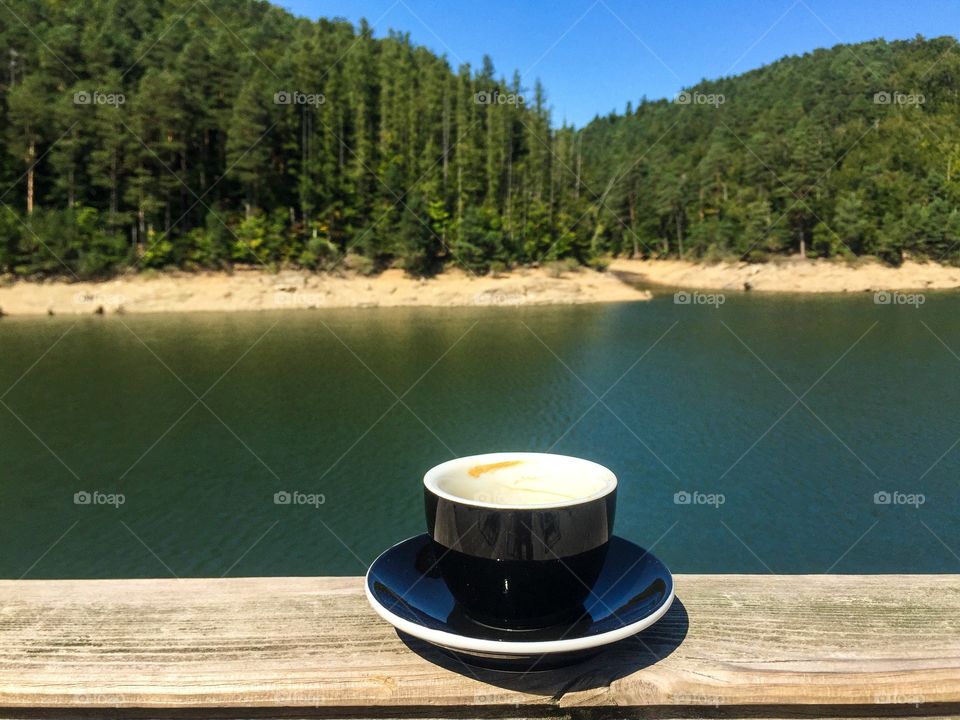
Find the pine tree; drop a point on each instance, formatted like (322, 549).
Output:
(28, 106)
(247, 157)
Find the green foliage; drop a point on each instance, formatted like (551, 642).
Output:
(306, 142)
(71, 242)
(315, 144)
(261, 238)
(477, 240)
(96, 247)
(318, 253)
(801, 156)
(359, 264)
(10, 232)
(158, 253)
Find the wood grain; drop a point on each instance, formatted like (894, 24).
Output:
(732, 645)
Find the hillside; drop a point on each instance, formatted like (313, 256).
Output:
(159, 132)
(167, 133)
(851, 150)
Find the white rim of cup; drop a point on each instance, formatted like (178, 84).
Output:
(431, 480)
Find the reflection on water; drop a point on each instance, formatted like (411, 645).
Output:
(760, 435)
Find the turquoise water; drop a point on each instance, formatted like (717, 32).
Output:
(694, 399)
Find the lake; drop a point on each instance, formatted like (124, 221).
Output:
(770, 434)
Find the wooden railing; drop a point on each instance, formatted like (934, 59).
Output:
(731, 646)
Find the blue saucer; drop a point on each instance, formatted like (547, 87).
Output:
(405, 588)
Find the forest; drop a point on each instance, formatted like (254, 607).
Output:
(170, 133)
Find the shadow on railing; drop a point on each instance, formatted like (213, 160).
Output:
(616, 661)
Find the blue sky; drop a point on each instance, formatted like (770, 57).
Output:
(595, 55)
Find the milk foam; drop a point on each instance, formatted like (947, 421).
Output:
(539, 481)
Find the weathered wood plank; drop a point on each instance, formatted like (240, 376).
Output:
(806, 645)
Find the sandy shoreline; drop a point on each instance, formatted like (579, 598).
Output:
(257, 290)
(253, 289)
(788, 275)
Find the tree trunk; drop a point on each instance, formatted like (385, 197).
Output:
(113, 185)
(446, 138)
(203, 159)
(509, 200)
(550, 185)
(579, 165)
(460, 202)
(679, 234)
(184, 200)
(31, 154)
(304, 173)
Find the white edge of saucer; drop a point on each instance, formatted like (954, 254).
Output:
(505, 647)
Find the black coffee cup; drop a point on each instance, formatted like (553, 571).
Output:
(520, 538)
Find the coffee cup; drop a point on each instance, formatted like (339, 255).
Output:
(520, 538)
